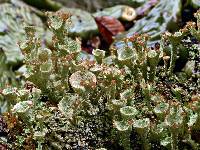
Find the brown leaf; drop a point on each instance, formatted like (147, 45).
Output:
(108, 27)
(3, 147)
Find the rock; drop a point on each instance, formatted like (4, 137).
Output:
(122, 12)
(13, 19)
(189, 68)
(195, 3)
(45, 4)
(161, 18)
(94, 5)
(83, 24)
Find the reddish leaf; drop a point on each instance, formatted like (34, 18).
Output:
(3, 147)
(108, 27)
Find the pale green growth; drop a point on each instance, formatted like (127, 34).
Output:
(99, 55)
(46, 67)
(141, 123)
(128, 112)
(125, 54)
(44, 54)
(192, 117)
(153, 59)
(43, 63)
(56, 22)
(10, 93)
(121, 125)
(97, 68)
(167, 141)
(122, 88)
(81, 81)
(118, 103)
(176, 38)
(109, 60)
(142, 127)
(175, 117)
(67, 103)
(23, 94)
(127, 94)
(22, 107)
(161, 108)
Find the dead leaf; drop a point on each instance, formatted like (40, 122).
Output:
(108, 27)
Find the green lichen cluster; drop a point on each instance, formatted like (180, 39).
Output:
(129, 88)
